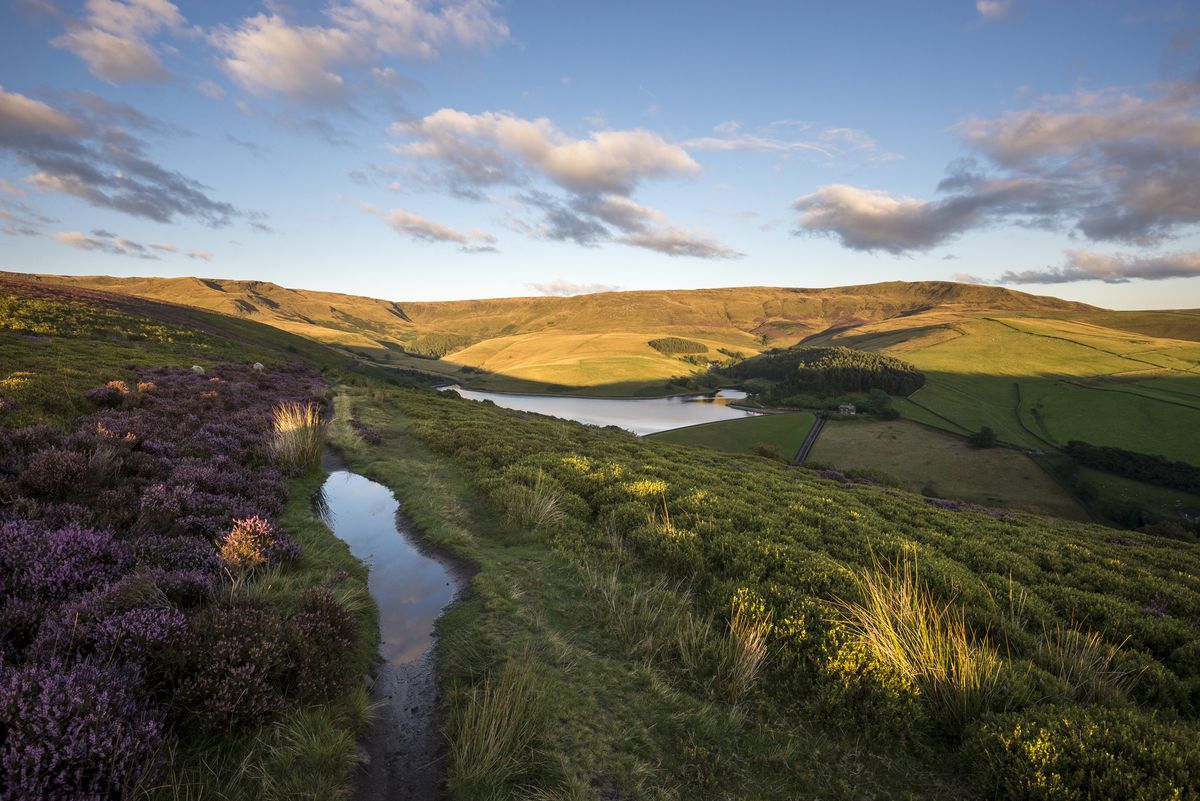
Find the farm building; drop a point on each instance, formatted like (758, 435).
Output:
(847, 409)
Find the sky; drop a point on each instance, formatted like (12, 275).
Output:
(444, 149)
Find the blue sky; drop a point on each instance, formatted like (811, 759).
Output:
(415, 149)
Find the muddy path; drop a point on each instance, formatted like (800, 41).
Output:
(413, 584)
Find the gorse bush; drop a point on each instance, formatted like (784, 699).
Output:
(299, 436)
(927, 642)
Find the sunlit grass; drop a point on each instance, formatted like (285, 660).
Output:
(926, 641)
(299, 436)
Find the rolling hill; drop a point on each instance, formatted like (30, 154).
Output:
(1039, 370)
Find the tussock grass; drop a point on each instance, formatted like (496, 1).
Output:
(492, 731)
(1083, 660)
(299, 435)
(745, 650)
(536, 507)
(925, 640)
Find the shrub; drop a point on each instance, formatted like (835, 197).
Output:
(369, 434)
(54, 472)
(1072, 754)
(983, 438)
(927, 642)
(320, 637)
(230, 667)
(768, 450)
(75, 731)
(55, 564)
(298, 436)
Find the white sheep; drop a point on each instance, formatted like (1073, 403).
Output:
(197, 369)
(258, 367)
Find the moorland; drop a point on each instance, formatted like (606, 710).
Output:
(689, 615)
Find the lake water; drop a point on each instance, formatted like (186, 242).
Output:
(640, 415)
(412, 589)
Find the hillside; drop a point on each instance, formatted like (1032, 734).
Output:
(590, 342)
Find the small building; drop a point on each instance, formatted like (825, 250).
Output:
(847, 409)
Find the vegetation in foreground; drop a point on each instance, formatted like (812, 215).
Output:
(177, 625)
(713, 625)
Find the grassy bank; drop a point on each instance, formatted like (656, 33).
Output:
(653, 622)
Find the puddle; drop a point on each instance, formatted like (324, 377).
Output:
(412, 588)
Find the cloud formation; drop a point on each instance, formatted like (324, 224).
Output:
(1108, 166)
(266, 54)
(426, 230)
(87, 154)
(994, 10)
(468, 154)
(829, 142)
(1086, 265)
(114, 36)
(104, 242)
(564, 288)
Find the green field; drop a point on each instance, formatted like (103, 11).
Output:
(784, 431)
(923, 459)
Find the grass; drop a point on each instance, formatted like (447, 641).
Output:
(298, 437)
(921, 458)
(493, 729)
(926, 641)
(784, 431)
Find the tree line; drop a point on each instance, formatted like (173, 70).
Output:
(1145, 467)
(830, 370)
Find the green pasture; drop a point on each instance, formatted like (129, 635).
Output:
(784, 431)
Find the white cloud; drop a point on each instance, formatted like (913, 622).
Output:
(498, 147)
(113, 39)
(427, 230)
(211, 90)
(564, 288)
(266, 53)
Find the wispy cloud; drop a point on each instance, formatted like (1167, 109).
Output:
(424, 229)
(829, 143)
(564, 288)
(104, 242)
(87, 153)
(1086, 265)
(995, 10)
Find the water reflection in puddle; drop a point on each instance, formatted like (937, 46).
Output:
(411, 588)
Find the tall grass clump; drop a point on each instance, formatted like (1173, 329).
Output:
(298, 436)
(1083, 660)
(536, 507)
(492, 732)
(926, 641)
(745, 652)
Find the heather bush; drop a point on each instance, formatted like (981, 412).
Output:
(230, 667)
(175, 553)
(320, 637)
(78, 731)
(54, 472)
(55, 564)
